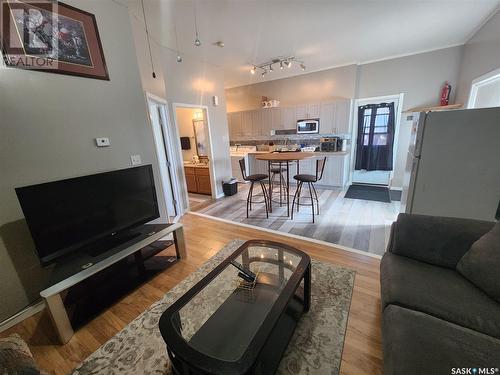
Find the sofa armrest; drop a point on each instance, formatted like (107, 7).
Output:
(441, 241)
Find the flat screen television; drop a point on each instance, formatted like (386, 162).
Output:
(74, 214)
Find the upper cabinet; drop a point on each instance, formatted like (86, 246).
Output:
(342, 116)
(246, 123)
(307, 111)
(334, 115)
(327, 118)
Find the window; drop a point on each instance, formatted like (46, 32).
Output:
(485, 91)
(380, 127)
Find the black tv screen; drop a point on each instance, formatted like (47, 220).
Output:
(65, 216)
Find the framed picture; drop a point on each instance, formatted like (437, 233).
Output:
(52, 37)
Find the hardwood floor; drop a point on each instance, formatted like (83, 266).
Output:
(205, 237)
(359, 224)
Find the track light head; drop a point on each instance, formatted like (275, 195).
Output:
(281, 65)
(270, 68)
(197, 42)
(254, 68)
(288, 64)
(264, 73)
(302, 66)
(179, 58)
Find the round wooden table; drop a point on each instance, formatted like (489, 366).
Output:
(285, 158)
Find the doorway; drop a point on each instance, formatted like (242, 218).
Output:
(374, 139)
(193, 130)
(157, 109)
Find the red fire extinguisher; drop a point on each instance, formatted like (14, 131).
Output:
(445, 94)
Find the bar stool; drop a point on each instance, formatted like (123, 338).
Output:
(276, 169)
(253, 178)
(311, 180)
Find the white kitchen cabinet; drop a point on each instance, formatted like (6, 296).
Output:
(327, 118)
(246, 123)
(257, 122)
(307, 111)
(336, 171)
(276, 119)
(288, 118)
(266, 121)
(234, 124)
(342, 116)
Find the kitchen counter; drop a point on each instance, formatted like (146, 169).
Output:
(319, 153)
(193, 165)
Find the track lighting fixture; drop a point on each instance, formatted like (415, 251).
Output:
(268, 66)
(179, 58)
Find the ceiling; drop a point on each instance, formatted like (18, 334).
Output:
(322, 33)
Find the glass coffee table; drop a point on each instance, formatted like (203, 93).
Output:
(228, 325)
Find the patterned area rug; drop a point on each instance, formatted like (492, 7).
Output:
(315, 348)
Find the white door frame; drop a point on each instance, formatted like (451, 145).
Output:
(481, 81)
(211, 164)
(354, 136)
(167, 137)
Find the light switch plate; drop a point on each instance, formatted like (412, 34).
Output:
(135, 159)
(102, 142)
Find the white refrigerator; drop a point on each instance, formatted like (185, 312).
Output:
(453, 164)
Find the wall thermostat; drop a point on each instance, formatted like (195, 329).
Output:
(102, 142)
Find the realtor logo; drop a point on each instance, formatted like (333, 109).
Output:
(30, 33)
(474, 371)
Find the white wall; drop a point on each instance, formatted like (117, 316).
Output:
(327, 84)
(481, 54)
(48, 125)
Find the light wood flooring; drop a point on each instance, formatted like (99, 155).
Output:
(362, 352)
(359, 224)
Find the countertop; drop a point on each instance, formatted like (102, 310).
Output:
(319, 153)
(192, 165)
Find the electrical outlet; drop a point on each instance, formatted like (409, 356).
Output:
(102, 142)
(135, 159)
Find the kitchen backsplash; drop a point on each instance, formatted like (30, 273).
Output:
(308, 140)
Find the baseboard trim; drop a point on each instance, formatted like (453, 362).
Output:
(22, 315)
(312, 240)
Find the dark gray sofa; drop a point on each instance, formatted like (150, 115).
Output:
(433, 319)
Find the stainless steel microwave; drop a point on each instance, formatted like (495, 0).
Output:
(308, 126)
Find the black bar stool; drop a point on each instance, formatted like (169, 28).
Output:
(254, 178)
(277, 169)
(311, 180)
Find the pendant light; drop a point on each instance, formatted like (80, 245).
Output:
(197, 41)
(147, 37)
(179, 57)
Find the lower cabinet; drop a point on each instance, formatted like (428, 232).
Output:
(198, 180)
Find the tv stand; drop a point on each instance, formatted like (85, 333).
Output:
(79, 269)
(103, 245)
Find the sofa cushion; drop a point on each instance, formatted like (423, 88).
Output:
(438, 291)
(481, 264)
(15, 357)
(415, 343)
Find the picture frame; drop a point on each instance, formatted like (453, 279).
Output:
(53, 37)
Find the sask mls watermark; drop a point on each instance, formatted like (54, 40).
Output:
(31, 34)
(474, 371)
